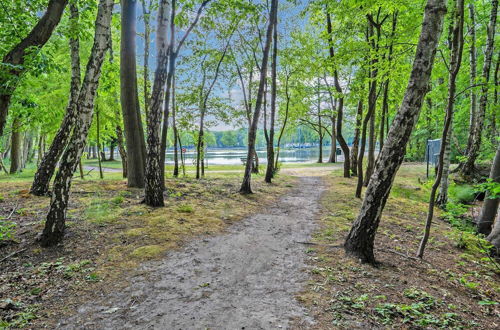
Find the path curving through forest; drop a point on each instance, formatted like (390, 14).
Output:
(245, 278)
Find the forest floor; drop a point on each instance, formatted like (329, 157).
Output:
(215, 259)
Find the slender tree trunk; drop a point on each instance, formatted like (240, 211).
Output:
(455, 62)
(53, 231)
(473, 70)
(442, 198)
(80, 167)
(360, 241)
(270, 149)
(48, 163)
(154, 167)
(13, 61)
(146, 12)
(371, 151)
(285, 121)
(355, 142)
(252, 133)
(490, 205)
(15, 146)
(340, 110)
(176, 133)
(100, 154)
(468, 168)
(320, 130)
(129, 97)
(121, 150)
(333, 145)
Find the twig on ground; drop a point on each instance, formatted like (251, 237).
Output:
(13, 254)
(404, 255)
(12, 212)
(317, 244)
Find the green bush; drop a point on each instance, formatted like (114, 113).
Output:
(462, 193)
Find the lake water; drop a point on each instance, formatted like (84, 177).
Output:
(216, 156)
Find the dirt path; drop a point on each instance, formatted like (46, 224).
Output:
(245, 278)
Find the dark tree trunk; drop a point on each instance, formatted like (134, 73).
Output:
(14, 59)
(111, 151)
(53, 231)
(132, 123)
(252, 133)
(468, 168)
(176, 133)
(100, 154)
(121, 150)
(285, 120)
(49, 161)
(340, 110)
(333, 145)
(15, 146)
(455, 62)
(490, 205)
(355, 142)
(360, 241)
(270, 145)
(154, 185)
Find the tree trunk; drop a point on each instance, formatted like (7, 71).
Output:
(53, 231)
(360, 241)
(246, 184)
(355, 142)
(340, 110)
(473, 70)
(371, 151)
(100, 154)
(176, 133)
(146, 12)
(14, 59)
(121, 150)
(285, 120)
(490, 205)
(442, 198)
(47, 167)
(468, 168)
(154, 185)
(15, 146)
(270, 146)
(132, 123)
(455, 62)
(333, 145)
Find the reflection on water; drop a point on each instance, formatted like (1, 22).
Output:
(233, 156)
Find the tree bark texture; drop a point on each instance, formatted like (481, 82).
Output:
(47, 166)
(360, 240)
(53, 231)
(129, 97)
(490, 205)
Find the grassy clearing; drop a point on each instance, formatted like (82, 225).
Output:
(456, 286)
(109, 234)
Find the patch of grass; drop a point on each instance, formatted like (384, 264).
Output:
(185, 209)
(147, 252)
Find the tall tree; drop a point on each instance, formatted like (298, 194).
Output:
(360, 241)
(468, 167)
(13, 61)
(15, 146)
(132, 123)
(455, 62)
(154, 168)
(50, 159)
(252, 133)
(355, 141)
(340, 108)
(270, 143)
(53, 231)
(473, 73)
